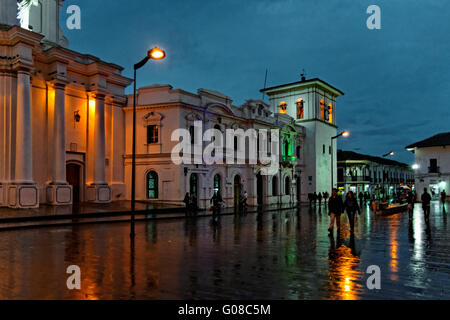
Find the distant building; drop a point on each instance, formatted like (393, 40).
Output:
(360, 173)
(432, 163)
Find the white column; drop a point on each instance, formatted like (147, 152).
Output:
(59, 192)
(99, 141)
(24, 160)
(23, 193)
(59, 135)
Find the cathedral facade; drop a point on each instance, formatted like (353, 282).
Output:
(66, 128)
(61, 118)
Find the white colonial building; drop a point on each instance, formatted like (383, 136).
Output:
(364, 173)
(66, 128)
(304, 112)
(61, 118)
(432, 163)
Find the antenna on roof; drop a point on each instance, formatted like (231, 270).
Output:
(303, 75)
(265, 83)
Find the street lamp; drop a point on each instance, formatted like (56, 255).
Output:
(392, 153)
(344, 134)
(155, 54)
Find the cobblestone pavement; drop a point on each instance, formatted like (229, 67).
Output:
(273, 255)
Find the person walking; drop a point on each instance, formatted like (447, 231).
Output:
(351, 206)
(187, 202)
(411, 201)
(315, 199)
(335, 208)
(216, 200)
(361, 198)
(319, 198)
(426, 200)
(244, 202)
(325, 197)
(443, 199)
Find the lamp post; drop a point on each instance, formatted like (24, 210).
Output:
(155, 54)
(344, 134)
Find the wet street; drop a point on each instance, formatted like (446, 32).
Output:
(274, 255)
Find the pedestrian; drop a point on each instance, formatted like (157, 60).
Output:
(216, 200)
(319, 198)
(310, 199)
(351, 206)
(443, 199)
(325, 197)
(194, 203)
(187, 200)
(361, 198)
(411, 200)
(335, 208)
(244, 202)
(426, 200)
(315, 199)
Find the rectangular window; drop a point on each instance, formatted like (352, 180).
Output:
(152, 134)
(433, 166)
(323, 149)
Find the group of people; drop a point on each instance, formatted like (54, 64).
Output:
(337, 206)
(314, 197)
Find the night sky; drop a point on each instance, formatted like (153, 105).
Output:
(396, 79)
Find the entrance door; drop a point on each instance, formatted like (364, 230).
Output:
(259, 189)
(237, 190)
(298, 186)
(73, 172)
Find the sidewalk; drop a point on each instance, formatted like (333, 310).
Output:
(106, 213)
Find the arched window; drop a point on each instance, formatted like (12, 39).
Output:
(287, 186)
(322, 109)
(286, 147)
(152, 185)
(283, 107)
(275, 186)
(300, 109)
(330, 113)
(217, 184)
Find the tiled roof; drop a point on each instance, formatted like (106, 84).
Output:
(439, 140)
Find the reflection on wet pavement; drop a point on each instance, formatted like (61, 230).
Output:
(276, 255)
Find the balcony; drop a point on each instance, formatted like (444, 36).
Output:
(433, 169)
(357, 179)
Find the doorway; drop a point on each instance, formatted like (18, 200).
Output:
(73, 172)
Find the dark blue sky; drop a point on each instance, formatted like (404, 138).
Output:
(396, 79)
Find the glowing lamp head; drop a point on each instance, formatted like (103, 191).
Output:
(415, 166)
(392, 153)
(345, 134)
(156, 54)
